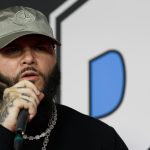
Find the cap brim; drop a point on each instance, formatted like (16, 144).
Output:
(11, 37)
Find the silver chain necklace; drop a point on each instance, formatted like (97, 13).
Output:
(46, 134)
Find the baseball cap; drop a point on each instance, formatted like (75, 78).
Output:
(18, 21)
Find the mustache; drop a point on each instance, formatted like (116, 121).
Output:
(29, 68)
(13, 80)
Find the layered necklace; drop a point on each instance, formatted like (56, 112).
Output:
(46, 134)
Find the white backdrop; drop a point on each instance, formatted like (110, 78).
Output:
(100, 25)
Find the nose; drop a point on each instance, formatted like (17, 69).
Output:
(28, 56)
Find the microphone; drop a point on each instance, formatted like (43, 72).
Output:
(20, 128)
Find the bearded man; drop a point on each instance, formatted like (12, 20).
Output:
(29, 78)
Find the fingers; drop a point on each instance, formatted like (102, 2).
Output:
(25, 84)
(23, 95)
(26, 103)
(27, 93)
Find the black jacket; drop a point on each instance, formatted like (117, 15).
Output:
(73, 131)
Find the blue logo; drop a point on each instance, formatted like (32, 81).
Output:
(107, 83)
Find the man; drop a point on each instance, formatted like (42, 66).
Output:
(29, 77)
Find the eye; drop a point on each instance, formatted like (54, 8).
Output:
(44, 48)
(10, 51)
(41, 48)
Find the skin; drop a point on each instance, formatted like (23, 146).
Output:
(25, 59)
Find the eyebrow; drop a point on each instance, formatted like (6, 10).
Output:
(12, 44)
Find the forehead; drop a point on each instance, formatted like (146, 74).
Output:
(32, 39)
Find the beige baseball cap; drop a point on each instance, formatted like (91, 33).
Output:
(18, 21)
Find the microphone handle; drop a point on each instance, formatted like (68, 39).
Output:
(22, 121)
(20, 128)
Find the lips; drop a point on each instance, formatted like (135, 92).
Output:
(29, 75)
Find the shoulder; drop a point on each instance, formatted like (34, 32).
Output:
(84, 123)
(75, 126)
(69, 114)
(87, 129)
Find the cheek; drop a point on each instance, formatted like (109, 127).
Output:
(47, 64)
(8, 67)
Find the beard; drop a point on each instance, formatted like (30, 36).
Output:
(50, 87)
(51, 81)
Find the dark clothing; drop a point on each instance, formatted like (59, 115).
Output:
(73, 131)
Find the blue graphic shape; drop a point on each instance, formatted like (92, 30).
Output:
(107, 83)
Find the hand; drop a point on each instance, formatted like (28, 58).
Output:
(23, 95)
